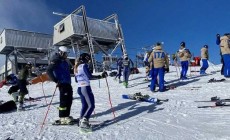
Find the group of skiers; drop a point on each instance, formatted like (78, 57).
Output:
(156, 61)
(59, 72)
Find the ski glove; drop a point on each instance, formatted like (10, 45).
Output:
(104, 74)
(167, 70)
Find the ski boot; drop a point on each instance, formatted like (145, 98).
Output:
(20, 107)
(84, 125)
(64, 121)
(220, 103)
(215, 98)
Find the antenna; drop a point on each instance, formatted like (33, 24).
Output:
(60, 14)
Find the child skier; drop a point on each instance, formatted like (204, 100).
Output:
(22, 83)
(83, 77)
(126, 69)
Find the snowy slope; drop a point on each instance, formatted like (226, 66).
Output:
(177, 119)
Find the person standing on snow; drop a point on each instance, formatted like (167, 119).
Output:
(119, 69)
(204, 59)
(83, 77)
(59, 72)
(126, 69)
(184, 55)
(225, 52)
(22, 83)
(160, 62)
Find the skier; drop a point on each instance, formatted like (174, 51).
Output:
(204, 59)
(119, 69)
(23, 75)
(12, 80)
(225, 52)
(83, 77)
(160, 61)
(59, 72)
(126, 69)
(184, 55)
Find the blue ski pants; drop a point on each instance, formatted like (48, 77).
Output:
(226, 58)
(87, 101)
(184, 69)
(161, 73)
(204, 66)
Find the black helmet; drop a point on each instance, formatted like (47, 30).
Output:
(206, 46)
(84, 58)
(182, 43)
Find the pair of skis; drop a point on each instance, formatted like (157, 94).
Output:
(218, 102)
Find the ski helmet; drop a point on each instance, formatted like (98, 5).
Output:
(158, 44)
(182, 43)
(84, 58)
(125, 56)
(206, 46)
(63, 49)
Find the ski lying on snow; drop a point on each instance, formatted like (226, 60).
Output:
(214, 106)
(150, 99)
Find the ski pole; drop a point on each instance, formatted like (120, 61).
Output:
(176, 69)
(43, 90)
(99, 83)
(47, 111)
(110, 98)
(29, 95)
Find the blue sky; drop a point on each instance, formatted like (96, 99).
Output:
(144, 22)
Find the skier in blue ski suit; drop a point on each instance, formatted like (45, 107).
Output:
(184, 55)
(160, 61)
(204, 59)
(83, 77)
(119, 69)
(127, 62)
(59, 72)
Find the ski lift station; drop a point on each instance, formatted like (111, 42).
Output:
(20, 47)
(76, 31)
(84, 34)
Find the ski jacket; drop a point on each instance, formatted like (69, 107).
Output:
(13, 80)
(204, 53)
(83, 75)
(24, 73)
(184, 54)
(159, 58)
(59, 70)
(224, 45)
(127, 64)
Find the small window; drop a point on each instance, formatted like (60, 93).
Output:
(0, 40)
(61, 28)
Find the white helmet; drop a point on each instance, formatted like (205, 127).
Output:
(63, 49)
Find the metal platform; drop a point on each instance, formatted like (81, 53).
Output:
(89, 35)
(29, 44)
(24, 45)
